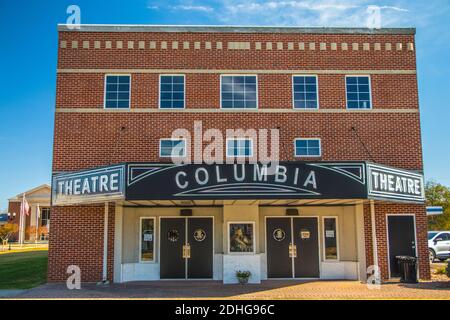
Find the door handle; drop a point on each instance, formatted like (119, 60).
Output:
(187, 251)
(292, 251)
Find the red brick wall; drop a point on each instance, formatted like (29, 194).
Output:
(381, 211)
(234, 59)
(14, 207)
(93, 139)
(395, 91)
(386, 135)
(76, 238)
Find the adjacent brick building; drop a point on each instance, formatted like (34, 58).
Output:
(342, 100)
(36, 224)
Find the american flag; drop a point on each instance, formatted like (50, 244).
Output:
(24, 207)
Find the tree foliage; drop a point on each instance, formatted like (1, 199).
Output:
(40, 232)
(438, 195)
(7, 230)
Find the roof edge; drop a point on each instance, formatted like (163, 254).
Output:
(19, 196)
(229, 29)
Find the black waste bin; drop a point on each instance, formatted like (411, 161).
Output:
(408, 269)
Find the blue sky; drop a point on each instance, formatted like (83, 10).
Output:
(29, 46)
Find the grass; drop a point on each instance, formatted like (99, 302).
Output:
(441, 270)
(23, 270)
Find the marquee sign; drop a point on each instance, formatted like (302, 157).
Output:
(101, 184)
(396, 184)
(287, 180)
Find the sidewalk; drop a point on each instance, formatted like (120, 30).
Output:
(323, 290)
(15, 247)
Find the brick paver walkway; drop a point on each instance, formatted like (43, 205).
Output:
(266, 290)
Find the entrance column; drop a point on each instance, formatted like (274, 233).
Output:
(360, 242)
(118, 234)
(105, 244)
(374, 234)
(33, 222)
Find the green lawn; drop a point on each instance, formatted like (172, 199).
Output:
(23, 270)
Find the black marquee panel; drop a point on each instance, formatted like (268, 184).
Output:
(286, 180)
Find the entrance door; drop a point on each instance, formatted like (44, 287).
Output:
(402, 240)
(172, 240)
(186, 248)
(200, 240)
(306, 239)
(292, 247)
(279, 260)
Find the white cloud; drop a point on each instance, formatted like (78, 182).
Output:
(350, 13)
(192, 8)
(394, 8)
(280, 12)
(315, 13)
(280, 5)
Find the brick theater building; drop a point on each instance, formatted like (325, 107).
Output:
(347, 194)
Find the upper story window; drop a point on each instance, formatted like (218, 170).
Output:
(305, 91)
(240, 148)
(172, 148)
(171, 92)
(117, 91)
(308, 148)
(239, 92)
(358, 92)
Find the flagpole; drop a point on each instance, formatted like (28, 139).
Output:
(24, 209)
(37, 224)
(22, 205)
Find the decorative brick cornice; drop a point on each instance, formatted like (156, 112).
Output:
(236, 45)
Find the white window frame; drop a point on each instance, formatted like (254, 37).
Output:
(317, 91)
(104, 90)
(173, 139)
(337, 239)
(154, 240)
(307, 139)
(239, 75)
(254, 238)
(239, 139)
(184, 90)
(46, 209)
(370, 91)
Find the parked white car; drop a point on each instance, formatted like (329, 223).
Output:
(439, 245)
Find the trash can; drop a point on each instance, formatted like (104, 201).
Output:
(408, 269)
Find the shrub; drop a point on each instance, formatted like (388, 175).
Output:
(448, 268)
(441, 270)
(243, 274)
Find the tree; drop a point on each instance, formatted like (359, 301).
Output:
(438, 195)
(41, 232)
(7, 230)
